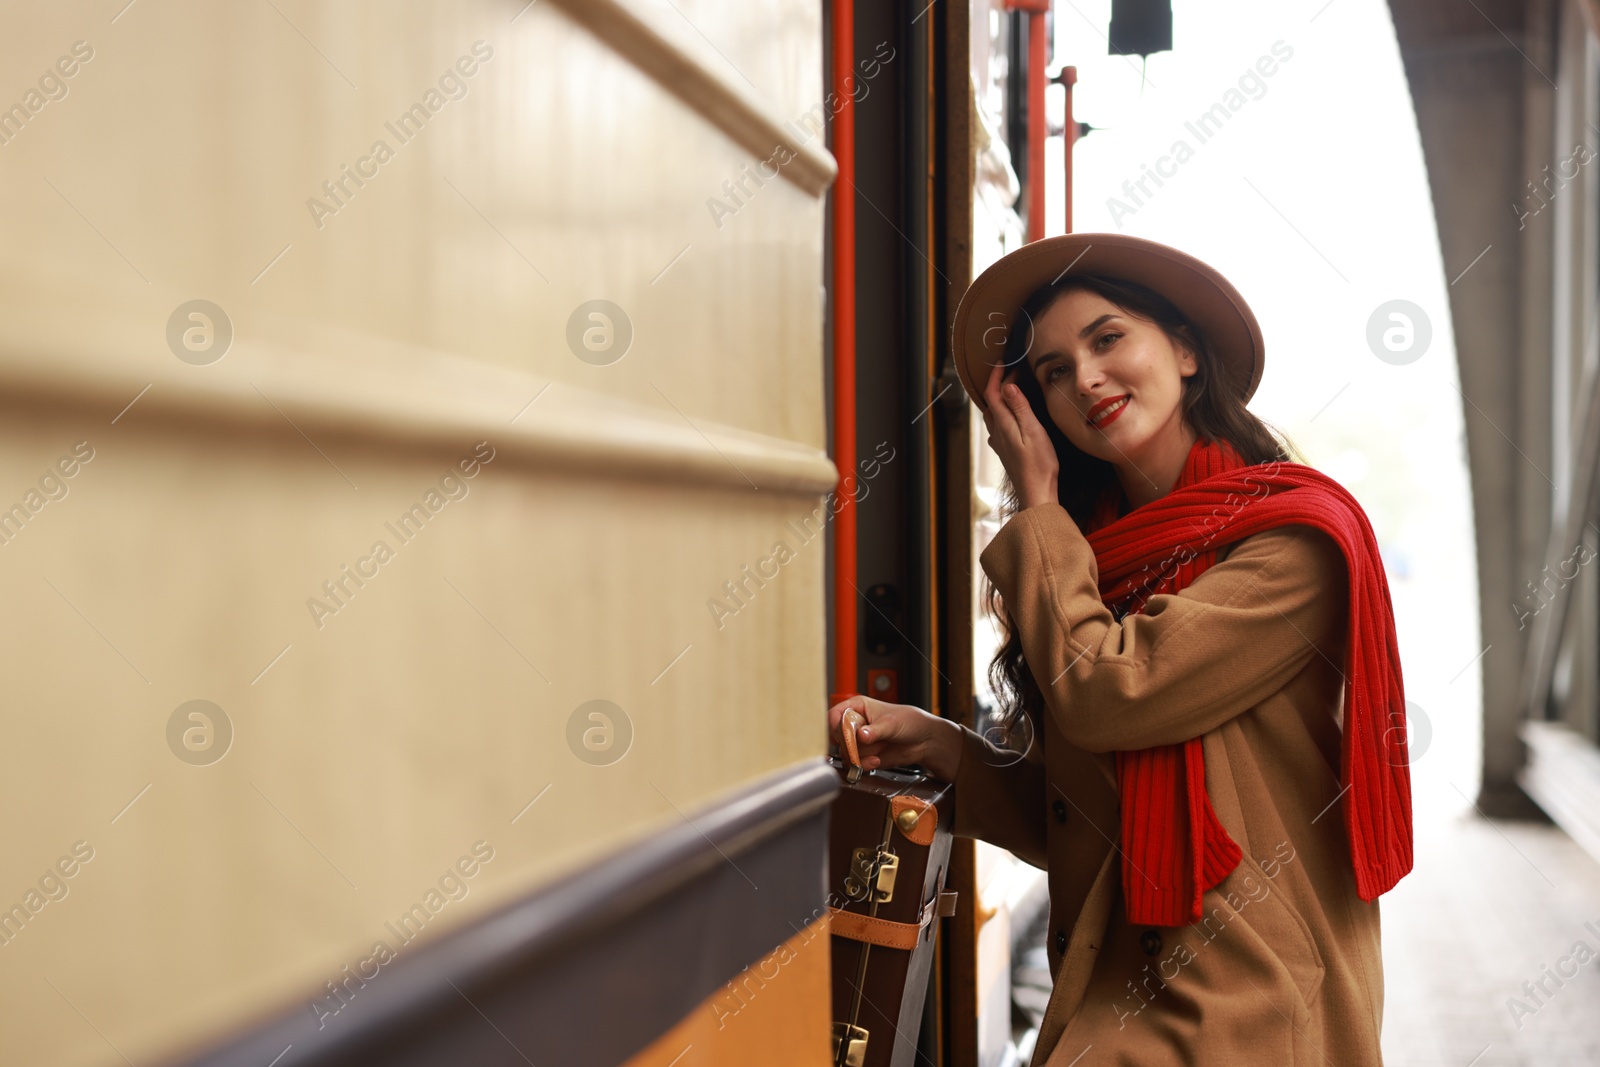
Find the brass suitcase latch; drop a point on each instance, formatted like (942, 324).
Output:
(872, 870)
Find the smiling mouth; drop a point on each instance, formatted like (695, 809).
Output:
(1108, 413)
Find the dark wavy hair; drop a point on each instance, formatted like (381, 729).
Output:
(1212, 405)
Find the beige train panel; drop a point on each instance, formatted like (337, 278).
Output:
(765, 49)
(665, 42)
(377, 390)
(372, 752)
(776, 1012)
(189, 157)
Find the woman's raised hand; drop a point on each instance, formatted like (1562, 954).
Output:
(896, 735)
(1020, 440)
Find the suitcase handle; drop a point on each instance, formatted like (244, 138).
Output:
(851, 721)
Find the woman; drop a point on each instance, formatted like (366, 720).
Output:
(1203, 713)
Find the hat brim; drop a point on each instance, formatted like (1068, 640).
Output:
(985, 315)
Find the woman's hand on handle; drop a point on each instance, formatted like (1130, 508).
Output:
(896, 735)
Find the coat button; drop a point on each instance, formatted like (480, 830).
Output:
(1061, 943)
(1150, 941)
(1061, 811)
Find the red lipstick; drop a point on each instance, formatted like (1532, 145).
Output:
(1099, 423)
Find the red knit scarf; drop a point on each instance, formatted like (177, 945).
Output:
(1173, 847)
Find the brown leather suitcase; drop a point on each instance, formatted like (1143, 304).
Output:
(889, 851)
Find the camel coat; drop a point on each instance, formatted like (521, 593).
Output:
(1284, 967)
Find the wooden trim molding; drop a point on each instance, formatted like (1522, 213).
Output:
(296, 377)
(651, 47)
(594, 968)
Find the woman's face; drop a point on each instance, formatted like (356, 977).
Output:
(1087, 351)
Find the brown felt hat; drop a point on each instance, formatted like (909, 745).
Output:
(1206, 298)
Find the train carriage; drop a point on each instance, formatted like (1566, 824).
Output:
(453, 452)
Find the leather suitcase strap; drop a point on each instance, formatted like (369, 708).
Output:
(884, 932)
(921, 816)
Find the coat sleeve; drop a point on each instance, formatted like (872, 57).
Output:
(1188, 663)
(1001, 798)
